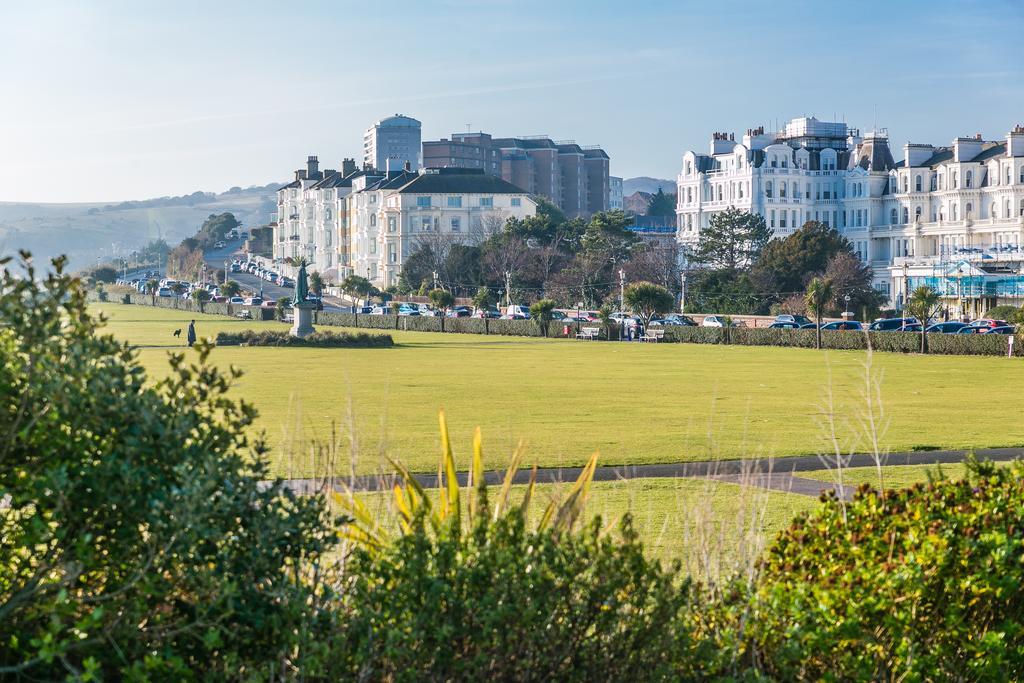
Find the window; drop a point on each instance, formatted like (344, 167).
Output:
(782, 219)
(455, 202)
(892, 217)
(775, 161)
(968, 210)
(392, 253)
(969, 179)
(917, 214)
(906, 215)
(785, 162)
(1022, 174)
(294, 193)
(373, 220)
(392, 224)
(327, 214)
(719, 192)
(955, 211)
(517, 201)
(487, 201)
(904, 183)
(917, 183)
(934, 184)
(956, 180)
(768, 189)
(328, 195)
(425, 224)
(456, 224)
(771, 223)
(423, 202)
(782, 190)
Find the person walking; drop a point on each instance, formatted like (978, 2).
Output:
(192, 333)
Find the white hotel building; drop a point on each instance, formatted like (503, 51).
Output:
(949, 217)
(366, 222)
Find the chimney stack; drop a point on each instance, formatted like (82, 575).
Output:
(312, 166)
(348, 167)
(408, 167)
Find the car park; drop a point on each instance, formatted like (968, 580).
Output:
(948, 327)
(843, 325)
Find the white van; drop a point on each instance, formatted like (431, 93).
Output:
(515, 310)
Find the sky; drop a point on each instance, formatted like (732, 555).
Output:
(107, 101)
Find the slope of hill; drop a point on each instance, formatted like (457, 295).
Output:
(87, 231)
(648, 185)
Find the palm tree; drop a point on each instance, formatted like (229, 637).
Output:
(923, 304)
(316, 283)
(646, 300)
(819, 293)
(482, 299)
(230, 289)
(152, 286)
(200, 296)
(540, 311)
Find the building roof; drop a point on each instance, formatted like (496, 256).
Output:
(458, 180)
(875, 155)
(294, 183)
(391, 181)
(991, 150)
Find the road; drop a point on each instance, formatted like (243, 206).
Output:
(216, 258)
(778, 474)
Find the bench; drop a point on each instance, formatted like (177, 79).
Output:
(590, 333)
(653, 336)
(244, 315)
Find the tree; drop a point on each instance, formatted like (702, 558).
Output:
(924, 304)
(733, 240)
(646, 300)
(230, 288)
(541, 311)
(143, 534)
(357, 286)
(819, 293)
(316, 283)
(662, 204)
(178, 288)
(281, 307)
(442, 299)
(483, 299)
(852, 277)
(152, 286)
(200, 296)
(787, 264)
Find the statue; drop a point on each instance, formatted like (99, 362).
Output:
(303, 309)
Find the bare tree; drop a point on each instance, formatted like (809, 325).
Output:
(505, 259)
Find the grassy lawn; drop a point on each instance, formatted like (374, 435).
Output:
(893, 477)
(636, 403)
(711, 526)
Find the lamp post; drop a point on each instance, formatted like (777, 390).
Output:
(682, 293)
(906, 293)
(579, 314)
(434, 274)
(622, 288)
(846, 298)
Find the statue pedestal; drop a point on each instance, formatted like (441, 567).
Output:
(303, 326)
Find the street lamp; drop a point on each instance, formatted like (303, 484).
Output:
(579, 315)
(622, 288)
(906, 290)
(682, 293)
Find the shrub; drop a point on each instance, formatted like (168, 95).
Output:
(915, 584)
(324, 339)
(139, 541)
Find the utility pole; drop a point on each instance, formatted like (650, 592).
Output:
(508, 288)
(622, 288)
(434, 274)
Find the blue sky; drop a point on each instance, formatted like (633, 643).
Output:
(126, 100)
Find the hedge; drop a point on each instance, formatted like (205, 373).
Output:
(324, 339)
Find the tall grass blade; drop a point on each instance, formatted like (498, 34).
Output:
(450, 492)
(510, 473)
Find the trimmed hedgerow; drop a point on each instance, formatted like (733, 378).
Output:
(321, 339)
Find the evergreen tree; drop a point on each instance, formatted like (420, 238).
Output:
(732, 241)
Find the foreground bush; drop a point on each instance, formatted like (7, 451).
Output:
(468, 591)
(323, 339)
(139, 542)
(925, 583)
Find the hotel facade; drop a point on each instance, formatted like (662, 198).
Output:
(951, 217)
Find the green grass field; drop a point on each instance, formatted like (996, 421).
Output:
(635, 403)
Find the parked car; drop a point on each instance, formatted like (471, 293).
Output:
(988, 322)
(895, 325)
(254, 301)
(950, 327)
(237, 301)
(382, 310)
(518, 310)
(787, 318)
(460, 312)
(164, 292)
(714, 321)
(780, 325)
(843, 325)
(491, 314)
(219, 245)
(678, 319)
(236, 268)
(515, 316)
(243, 235)
(1005, 329)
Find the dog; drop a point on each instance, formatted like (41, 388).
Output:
(177, 332)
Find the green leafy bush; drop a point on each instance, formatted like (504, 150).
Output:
(138, 539)
(324, 339)
(915, 584)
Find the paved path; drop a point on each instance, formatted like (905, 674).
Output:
(777, 474)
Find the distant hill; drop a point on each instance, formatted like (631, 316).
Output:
(648, 185)
(86, 231)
